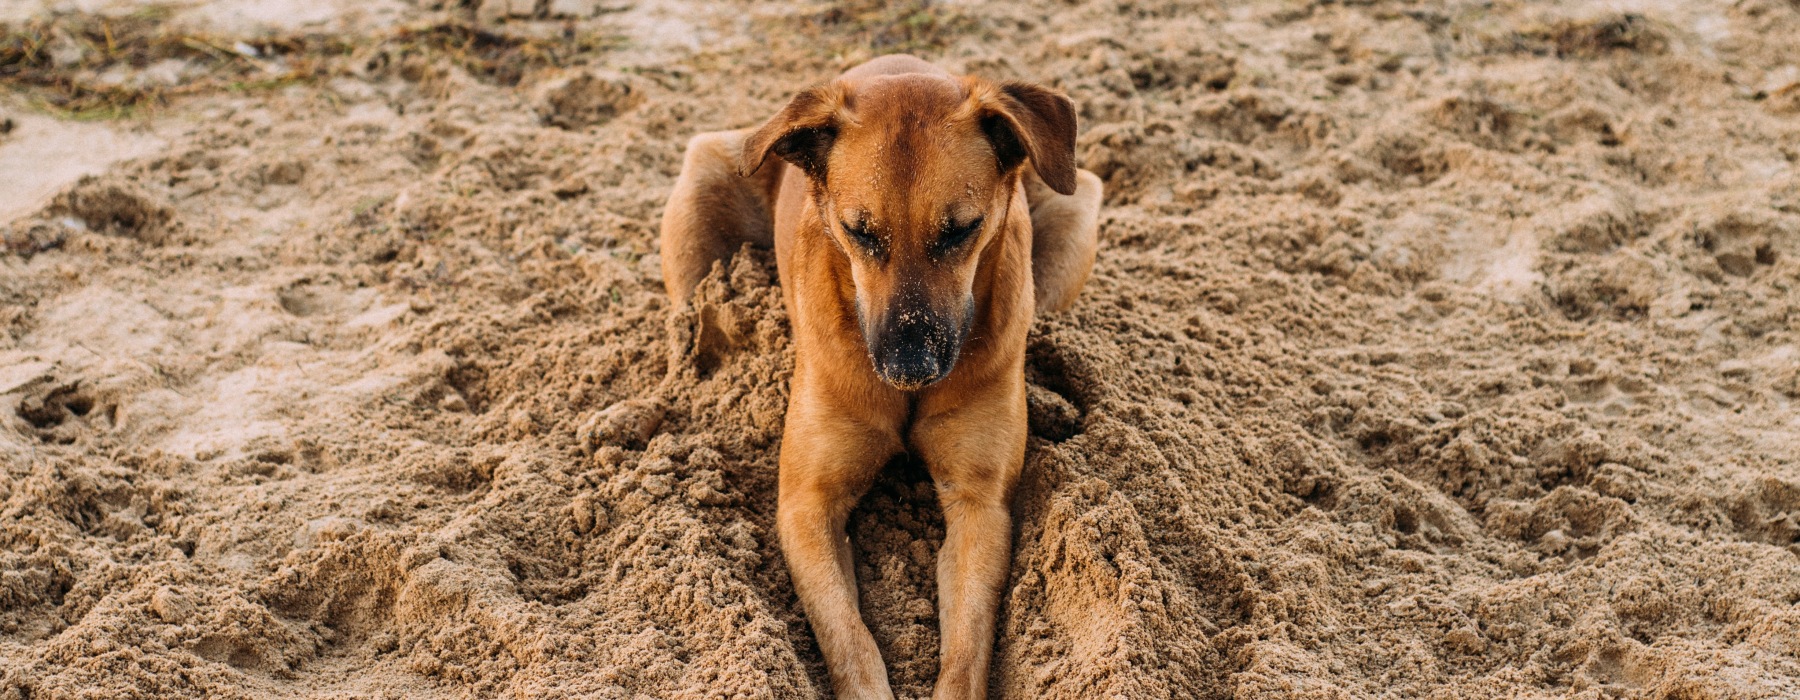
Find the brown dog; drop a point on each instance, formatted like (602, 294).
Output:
(914, 246)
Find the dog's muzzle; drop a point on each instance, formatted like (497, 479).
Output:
(915, 346)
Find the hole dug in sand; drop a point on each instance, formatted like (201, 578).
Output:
(115, 207)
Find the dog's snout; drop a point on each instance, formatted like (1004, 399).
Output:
(909, 349)
(910, 368)
(916, 346)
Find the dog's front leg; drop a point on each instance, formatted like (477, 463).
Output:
(828, 458)
(974, 449)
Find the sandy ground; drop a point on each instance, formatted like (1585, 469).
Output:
(1434, 350)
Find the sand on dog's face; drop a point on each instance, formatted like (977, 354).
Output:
(1441, 350)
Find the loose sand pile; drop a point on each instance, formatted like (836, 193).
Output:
(1441, 350)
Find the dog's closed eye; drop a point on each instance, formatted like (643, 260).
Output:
(860, 234)
(954, 234)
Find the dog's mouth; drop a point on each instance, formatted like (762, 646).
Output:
(914, 348)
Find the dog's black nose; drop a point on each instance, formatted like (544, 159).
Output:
(910, 368)
(915, 347)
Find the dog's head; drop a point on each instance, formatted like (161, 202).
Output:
(913, 176)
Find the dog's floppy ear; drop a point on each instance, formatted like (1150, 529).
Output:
(1024, 120)
(801, 133)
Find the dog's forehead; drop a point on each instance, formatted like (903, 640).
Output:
(905, 112)
(908, 135)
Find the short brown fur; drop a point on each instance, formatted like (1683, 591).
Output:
(919, 222)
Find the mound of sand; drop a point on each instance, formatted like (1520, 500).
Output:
(1438, 350)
